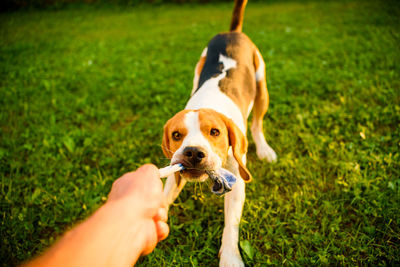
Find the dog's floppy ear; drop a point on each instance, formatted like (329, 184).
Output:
(165, 141)
(239, 146)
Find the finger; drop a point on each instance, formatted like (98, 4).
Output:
(162, 215)
(162, 230)
(151, 233)
(148, 249)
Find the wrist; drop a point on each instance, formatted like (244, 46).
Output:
(109, 237)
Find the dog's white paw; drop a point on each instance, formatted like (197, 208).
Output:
(265, 152)
(230, 258)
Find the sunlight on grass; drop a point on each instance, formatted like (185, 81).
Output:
(85, 93)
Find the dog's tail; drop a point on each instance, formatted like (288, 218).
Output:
(237, 16)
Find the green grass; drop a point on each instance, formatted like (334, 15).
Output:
(85, 92)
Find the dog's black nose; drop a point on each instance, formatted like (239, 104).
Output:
(194, 154)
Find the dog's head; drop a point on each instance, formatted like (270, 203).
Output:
(200, 140)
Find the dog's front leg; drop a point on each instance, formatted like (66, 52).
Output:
(229, 252)
(173, 186)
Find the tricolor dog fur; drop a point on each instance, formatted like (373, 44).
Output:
(210, 133)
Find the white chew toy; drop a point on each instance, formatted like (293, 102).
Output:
(165, 172)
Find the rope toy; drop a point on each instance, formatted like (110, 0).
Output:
(222, 178)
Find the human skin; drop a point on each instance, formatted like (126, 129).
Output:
(128, 225)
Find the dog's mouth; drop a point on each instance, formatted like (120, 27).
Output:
(194, 173)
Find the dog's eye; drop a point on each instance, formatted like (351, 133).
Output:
(214, 132)
(176, 136)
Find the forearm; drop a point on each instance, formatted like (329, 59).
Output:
(107, 238)
(129, 225)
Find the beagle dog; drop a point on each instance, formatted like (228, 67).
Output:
(210, 133)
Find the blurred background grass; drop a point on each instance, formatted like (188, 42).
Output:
(85, 90)
(57, 4)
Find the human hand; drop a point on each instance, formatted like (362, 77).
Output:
(140, 194)
(127, 226)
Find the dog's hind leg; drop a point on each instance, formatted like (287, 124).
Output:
(264, 151)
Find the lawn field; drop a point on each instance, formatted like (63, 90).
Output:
(85, 92)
